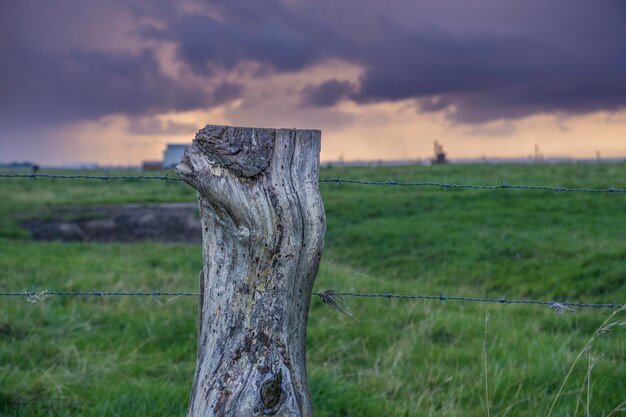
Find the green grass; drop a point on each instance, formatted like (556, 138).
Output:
(75, 356)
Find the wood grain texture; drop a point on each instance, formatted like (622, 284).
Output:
(263, 228)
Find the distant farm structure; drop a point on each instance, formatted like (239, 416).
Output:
(440, 155)
(152, 165)
(171, 156)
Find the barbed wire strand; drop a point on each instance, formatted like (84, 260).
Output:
(329, 296)
(337, 180)
(559, 306)
(93, 177)
(446, 185)
(96, 293)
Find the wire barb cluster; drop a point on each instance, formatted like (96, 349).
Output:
(337, 180)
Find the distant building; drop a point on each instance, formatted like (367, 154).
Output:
(172, 155)
(152, 165)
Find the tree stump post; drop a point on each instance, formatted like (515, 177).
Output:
(263, 228)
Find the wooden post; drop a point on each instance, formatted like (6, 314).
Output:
(263, 230)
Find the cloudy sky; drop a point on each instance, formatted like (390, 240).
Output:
(113, 81)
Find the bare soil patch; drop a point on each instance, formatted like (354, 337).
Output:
(168, 222)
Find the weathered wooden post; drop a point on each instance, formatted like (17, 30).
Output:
(263, 229)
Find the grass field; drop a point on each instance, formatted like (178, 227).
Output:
(97, 356)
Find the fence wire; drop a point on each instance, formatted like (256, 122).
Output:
(96, 293)
(559, 306)
(329, 296)
(503, 185)
(93, 177)
(338, 180)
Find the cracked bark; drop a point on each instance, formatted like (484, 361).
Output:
(263, 228)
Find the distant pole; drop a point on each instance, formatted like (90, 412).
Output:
(598, 157)
(263, 228)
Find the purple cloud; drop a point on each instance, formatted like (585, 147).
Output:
(328, 93)
(487, 59)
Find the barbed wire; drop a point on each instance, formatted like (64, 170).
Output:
(165, 178)
(337, 180)
(559, 306)
(97, 293)
(503, 185)
(329, 296)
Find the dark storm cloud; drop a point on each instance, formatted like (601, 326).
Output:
(226, 91)
(484, 60)
(328, 93)
(486, 78)
(478, 61)
(44, 87)
(263, 32)
(44, 82)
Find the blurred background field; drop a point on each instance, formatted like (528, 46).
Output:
(74, 356)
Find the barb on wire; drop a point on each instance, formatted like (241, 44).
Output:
(446, 185)
(338, 180)
(335, 300)
(35, 297)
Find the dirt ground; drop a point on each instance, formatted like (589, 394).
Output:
(169, 222)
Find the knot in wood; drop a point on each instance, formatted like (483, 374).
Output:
(245, 151)
(271, 391)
